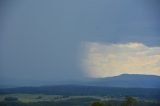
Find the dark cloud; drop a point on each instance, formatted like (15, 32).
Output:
(41, 40)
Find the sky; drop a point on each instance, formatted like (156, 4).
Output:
(52, 40)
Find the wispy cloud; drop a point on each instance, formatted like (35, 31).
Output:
(103, 60)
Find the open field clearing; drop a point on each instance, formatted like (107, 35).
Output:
(42, 97)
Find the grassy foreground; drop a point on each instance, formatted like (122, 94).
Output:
(60, 100)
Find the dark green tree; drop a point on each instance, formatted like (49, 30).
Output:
(109, 104)
(11, 99)
(98, 103)
(129, 101)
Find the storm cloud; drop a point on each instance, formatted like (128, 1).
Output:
(42, 40)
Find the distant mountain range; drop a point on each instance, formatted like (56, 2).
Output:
(122, 81)
(128, 81)
(143, 86)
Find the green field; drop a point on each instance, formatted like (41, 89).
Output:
(42, 97)
(60, 100)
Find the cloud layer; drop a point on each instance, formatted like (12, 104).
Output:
(103, 60)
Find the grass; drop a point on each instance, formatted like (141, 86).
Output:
(31, 97)
(25, 98)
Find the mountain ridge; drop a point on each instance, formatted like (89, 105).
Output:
(122, 81)
(129, 81)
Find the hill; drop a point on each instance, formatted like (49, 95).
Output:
(128, 81)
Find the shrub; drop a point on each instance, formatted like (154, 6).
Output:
(11, 99)
(98, 103)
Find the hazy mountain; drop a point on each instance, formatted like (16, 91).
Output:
(123, 81)
(129, 81)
